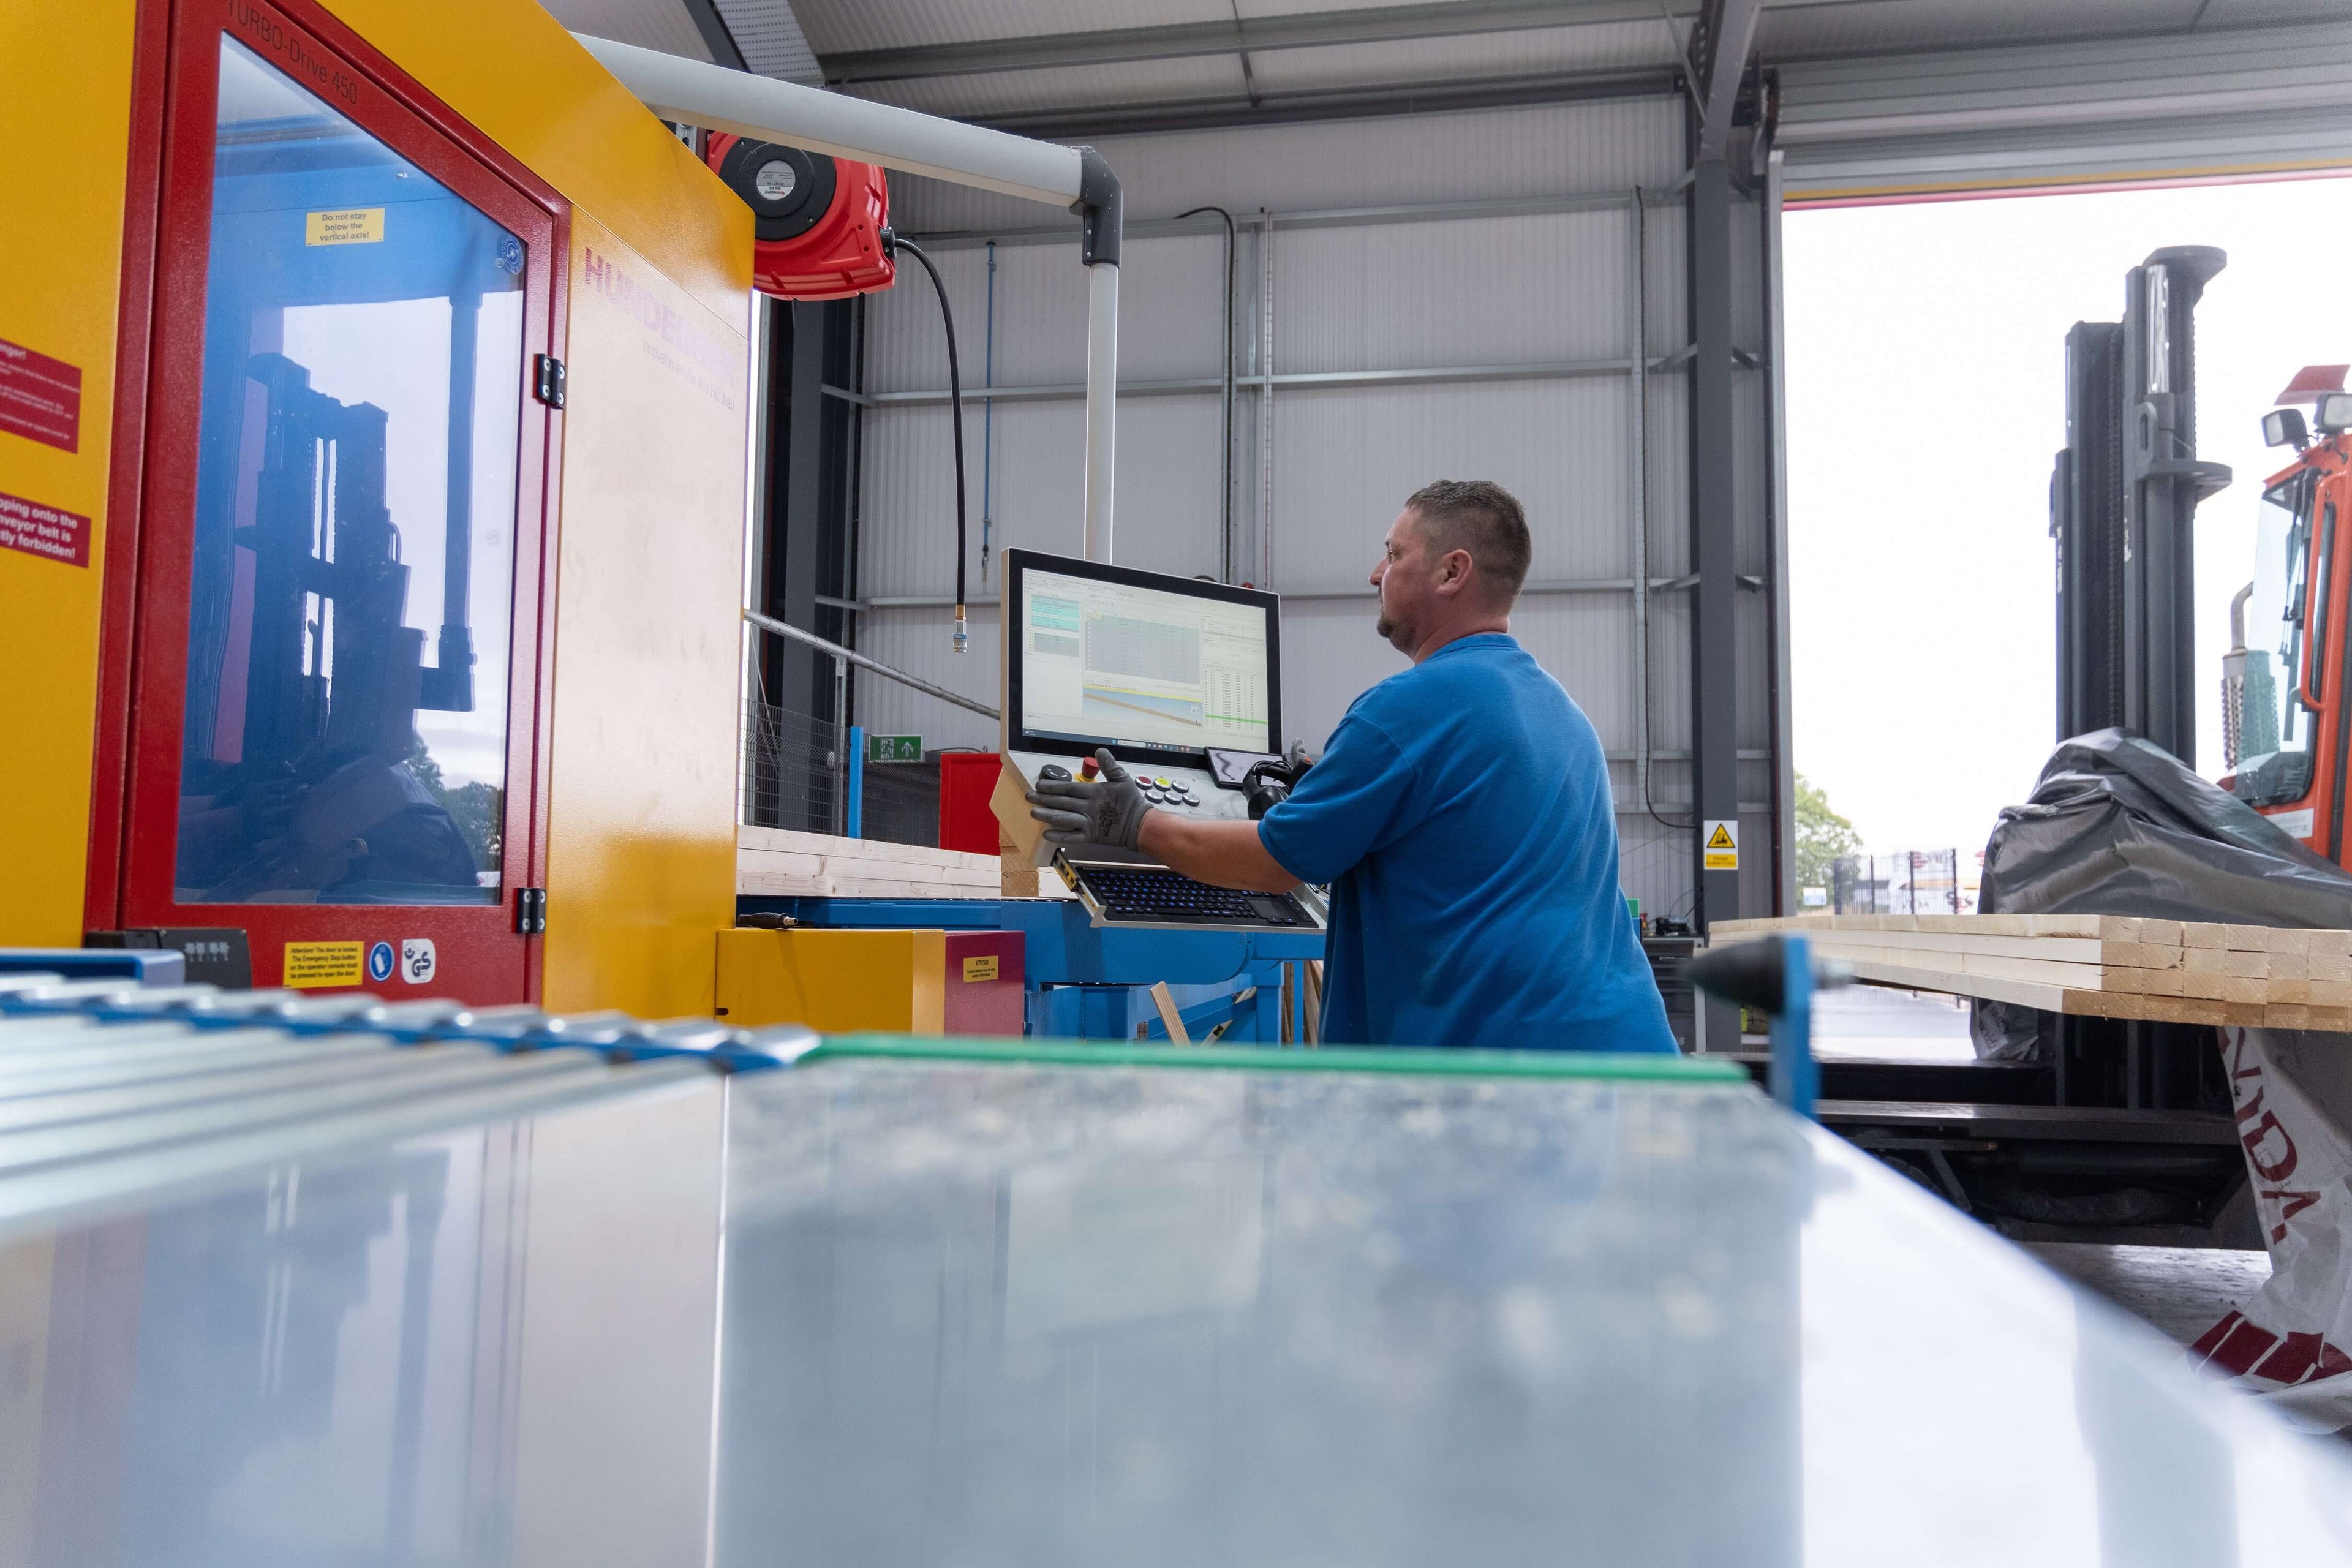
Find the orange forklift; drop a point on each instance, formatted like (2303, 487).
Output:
(2284, 731)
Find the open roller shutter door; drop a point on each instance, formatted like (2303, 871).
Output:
(2248, 103)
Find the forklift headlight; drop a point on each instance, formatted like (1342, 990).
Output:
(2334, 412)
(2285, 427)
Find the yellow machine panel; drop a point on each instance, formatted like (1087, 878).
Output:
(834, 980)
(511, 69)
(641, 866)
(61, 212)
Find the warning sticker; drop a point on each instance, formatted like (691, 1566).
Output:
(312, 964)
(45, 530)
(979, 969)
(353, 225)
(40, 397)
(1719, 845)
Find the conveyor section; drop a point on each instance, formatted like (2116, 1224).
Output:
(931, 1301)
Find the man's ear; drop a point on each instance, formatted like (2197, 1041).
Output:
(1453, 572)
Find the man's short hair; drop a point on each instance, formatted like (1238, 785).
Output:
(1483, 518)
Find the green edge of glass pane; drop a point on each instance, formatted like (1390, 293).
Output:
(1346, 1059)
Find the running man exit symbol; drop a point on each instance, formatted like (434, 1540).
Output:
(1721, 844)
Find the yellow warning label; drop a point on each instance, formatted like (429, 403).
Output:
(977, 969)
(353, 225)
(311, 965)
(1720, 851)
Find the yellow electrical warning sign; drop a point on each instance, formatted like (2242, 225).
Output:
(309, 964)
(353, 225)
(979, 969)
(1720, 849)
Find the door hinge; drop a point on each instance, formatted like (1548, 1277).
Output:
(550, 381)
(530, 911)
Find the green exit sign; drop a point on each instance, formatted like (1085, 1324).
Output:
(894, 748)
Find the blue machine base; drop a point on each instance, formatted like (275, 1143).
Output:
(1088, 983)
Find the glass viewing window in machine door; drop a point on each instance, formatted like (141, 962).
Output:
(351, 576)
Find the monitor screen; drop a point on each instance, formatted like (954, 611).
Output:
(1144, 663)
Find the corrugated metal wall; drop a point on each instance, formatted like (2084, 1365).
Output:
(1479, 323)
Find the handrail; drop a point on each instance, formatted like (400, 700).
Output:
(853, 657)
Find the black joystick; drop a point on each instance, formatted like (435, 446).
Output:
(1053, 772)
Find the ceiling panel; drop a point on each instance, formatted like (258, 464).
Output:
(1611, 46)
(663, 25)
(769, 36)
(838, 26)
(1858, 26)
(1015, 92)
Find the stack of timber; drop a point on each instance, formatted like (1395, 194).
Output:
(2106, 966)
(774, 862)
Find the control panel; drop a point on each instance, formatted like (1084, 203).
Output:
(1194, 792)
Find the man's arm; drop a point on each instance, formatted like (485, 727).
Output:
(1223, 854)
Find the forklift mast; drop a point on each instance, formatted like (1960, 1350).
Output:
(2123, 497)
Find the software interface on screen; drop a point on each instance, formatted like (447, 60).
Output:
(1141, 666)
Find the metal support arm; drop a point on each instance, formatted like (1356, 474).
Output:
(720, 100)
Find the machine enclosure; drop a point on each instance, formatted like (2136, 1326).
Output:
(638, 289)
(841, 255)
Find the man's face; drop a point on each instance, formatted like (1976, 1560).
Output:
(1407, 580)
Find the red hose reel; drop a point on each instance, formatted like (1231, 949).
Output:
(817, 233)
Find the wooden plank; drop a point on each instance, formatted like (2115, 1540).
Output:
(781, 863)
(2234, 962)
(2062, 948)
(2032, 971)
(1170, 1018)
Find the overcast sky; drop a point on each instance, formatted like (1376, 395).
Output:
(1926, 402)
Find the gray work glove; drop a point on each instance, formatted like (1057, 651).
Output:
(1108, 810)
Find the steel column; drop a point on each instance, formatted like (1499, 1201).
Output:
(1776, 492)
(802, 684)
(1102, 394)
(1715, 710)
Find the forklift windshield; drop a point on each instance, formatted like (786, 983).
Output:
(2274, 720)
(345, 720)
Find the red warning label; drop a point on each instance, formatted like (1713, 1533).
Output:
(40, 397)
(45, 530)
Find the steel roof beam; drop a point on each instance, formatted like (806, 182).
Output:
(1726, 31)
(1087, 121)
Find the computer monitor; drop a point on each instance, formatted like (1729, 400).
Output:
(1154, 667)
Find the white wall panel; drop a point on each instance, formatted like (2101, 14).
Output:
(919, 641)
(1475, 155)
(1165, 502)
(1346, 459)
(1416, 296)
(1171, 299)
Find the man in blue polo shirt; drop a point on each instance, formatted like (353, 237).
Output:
(1461, 815)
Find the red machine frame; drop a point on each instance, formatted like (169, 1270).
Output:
(134, 803)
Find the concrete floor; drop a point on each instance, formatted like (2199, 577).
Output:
(2182, 1290)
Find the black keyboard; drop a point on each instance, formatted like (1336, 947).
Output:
(1153, 895)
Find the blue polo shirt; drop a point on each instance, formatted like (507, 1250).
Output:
(1463, 819)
